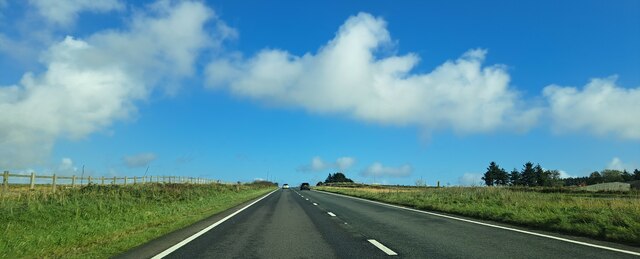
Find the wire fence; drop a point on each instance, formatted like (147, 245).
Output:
(54, 182)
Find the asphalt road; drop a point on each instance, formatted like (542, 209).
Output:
(301, 224)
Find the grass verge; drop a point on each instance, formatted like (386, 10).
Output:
(102, 221)
(611, 217)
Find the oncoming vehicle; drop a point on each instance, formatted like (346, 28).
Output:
(305, 186)
(285, 186)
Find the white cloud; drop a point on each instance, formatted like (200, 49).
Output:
(343, 163)
(346, 76)
(90, 83)
(317, 164)
(67, 167)
(378, 170)
(139, 160)
(564, 174)
(470, 180)
(617, 164)
(601, 107)
(65, 12)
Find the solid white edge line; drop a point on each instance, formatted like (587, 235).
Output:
(493, 226)
(382, 247)
(194, 236)
(315, 204)
(331, 214)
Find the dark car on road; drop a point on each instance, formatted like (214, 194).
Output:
(305, 186)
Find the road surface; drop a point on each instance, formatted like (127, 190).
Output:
(310, 224)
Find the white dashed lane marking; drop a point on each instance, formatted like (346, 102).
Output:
(382, 247)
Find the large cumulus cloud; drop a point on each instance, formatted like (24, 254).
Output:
(87, 84)
(346, 76)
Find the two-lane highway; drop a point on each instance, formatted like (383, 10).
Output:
(311, 224)
(282, 225)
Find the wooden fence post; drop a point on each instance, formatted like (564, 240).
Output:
(102, 180)
(125, 180)
(32, 181)
(73, 181)
(135, 180)
(89, 180)
(5, 181)
(53, 184)
(114, 180)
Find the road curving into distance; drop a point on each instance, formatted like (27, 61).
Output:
(310, 224)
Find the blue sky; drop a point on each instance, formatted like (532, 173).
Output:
(295, 90)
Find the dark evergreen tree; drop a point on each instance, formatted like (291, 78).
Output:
(540, 177)
(626, 176)
(528, 175)
(502, 177)
(515, 178)
(636, 174)
(338, 178)
(489, 176)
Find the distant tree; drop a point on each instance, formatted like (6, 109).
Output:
(576, 181)
(515, 178)
(528, 175)
(489, 176)
(636, 174)
(337, 178)
(594, 178)
(553, 178)
(495, 175)
(540, 177)
(319, 184)
(609, 176)
(502, 178)
(626, 176)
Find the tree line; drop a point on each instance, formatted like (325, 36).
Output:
(604, 176)
(335, 178)
(534, 175)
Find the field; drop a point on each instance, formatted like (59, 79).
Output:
(607, 216)
(102, 221)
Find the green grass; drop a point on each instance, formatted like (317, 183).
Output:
(102, 221)
(609, 216)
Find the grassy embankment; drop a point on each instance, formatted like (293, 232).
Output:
(613, 217)
(102, 221)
